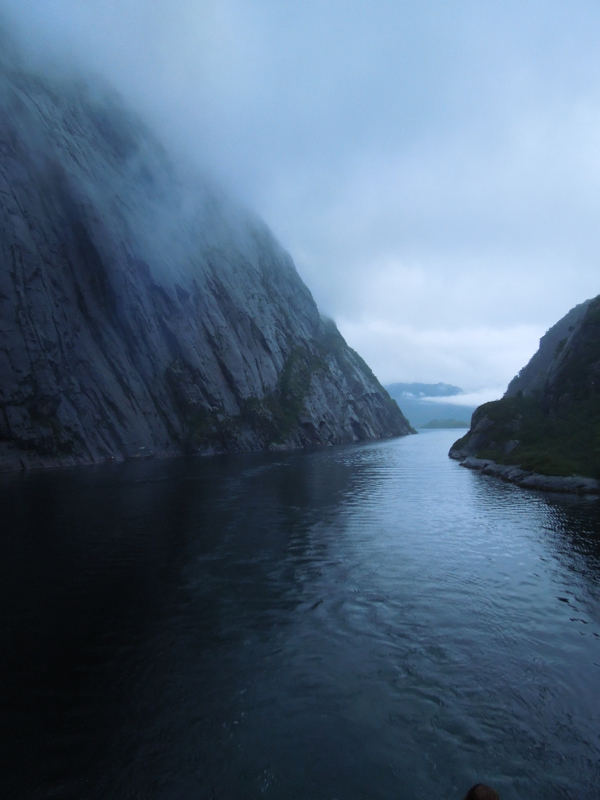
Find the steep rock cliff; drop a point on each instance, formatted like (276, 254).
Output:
(548, 421)
(141, 312)
(531, 379)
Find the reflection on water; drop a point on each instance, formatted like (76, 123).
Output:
(359, 622)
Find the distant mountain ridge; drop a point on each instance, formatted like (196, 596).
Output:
(413, 400)
(435, 424)
(548, 422)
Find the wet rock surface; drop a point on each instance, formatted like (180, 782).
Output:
(575, 484)
(141, 312)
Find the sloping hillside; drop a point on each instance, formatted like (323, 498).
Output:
(143, 313)
(549, 420)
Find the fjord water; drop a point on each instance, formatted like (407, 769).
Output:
(357, 622)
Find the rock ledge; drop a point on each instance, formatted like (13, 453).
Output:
(574, 484)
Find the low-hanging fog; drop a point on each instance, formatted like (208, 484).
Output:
(433, 167)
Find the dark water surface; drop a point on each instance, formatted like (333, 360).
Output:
(357, 622)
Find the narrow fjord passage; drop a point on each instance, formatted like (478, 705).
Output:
(357, 622)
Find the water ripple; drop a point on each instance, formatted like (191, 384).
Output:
(356, 622)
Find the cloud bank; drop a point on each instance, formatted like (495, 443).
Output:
(470, 399)
(433, 168)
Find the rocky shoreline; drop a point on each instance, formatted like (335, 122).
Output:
(511, 473)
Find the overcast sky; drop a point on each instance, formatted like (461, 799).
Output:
(432, 166)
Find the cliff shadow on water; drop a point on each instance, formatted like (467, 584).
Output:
(107, 617)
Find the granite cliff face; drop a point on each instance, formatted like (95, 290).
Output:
(141, 313)
(548, 422)
(532, 378)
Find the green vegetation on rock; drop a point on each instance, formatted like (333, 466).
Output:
(277, 413)
(522, 433)
(552, 425)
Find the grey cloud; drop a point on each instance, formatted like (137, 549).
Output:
(433, 167)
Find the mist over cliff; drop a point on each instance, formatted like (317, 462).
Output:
(142, 311)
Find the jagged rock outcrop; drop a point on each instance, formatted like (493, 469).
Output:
(548, 422)
(532, 377)
(141, 312)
